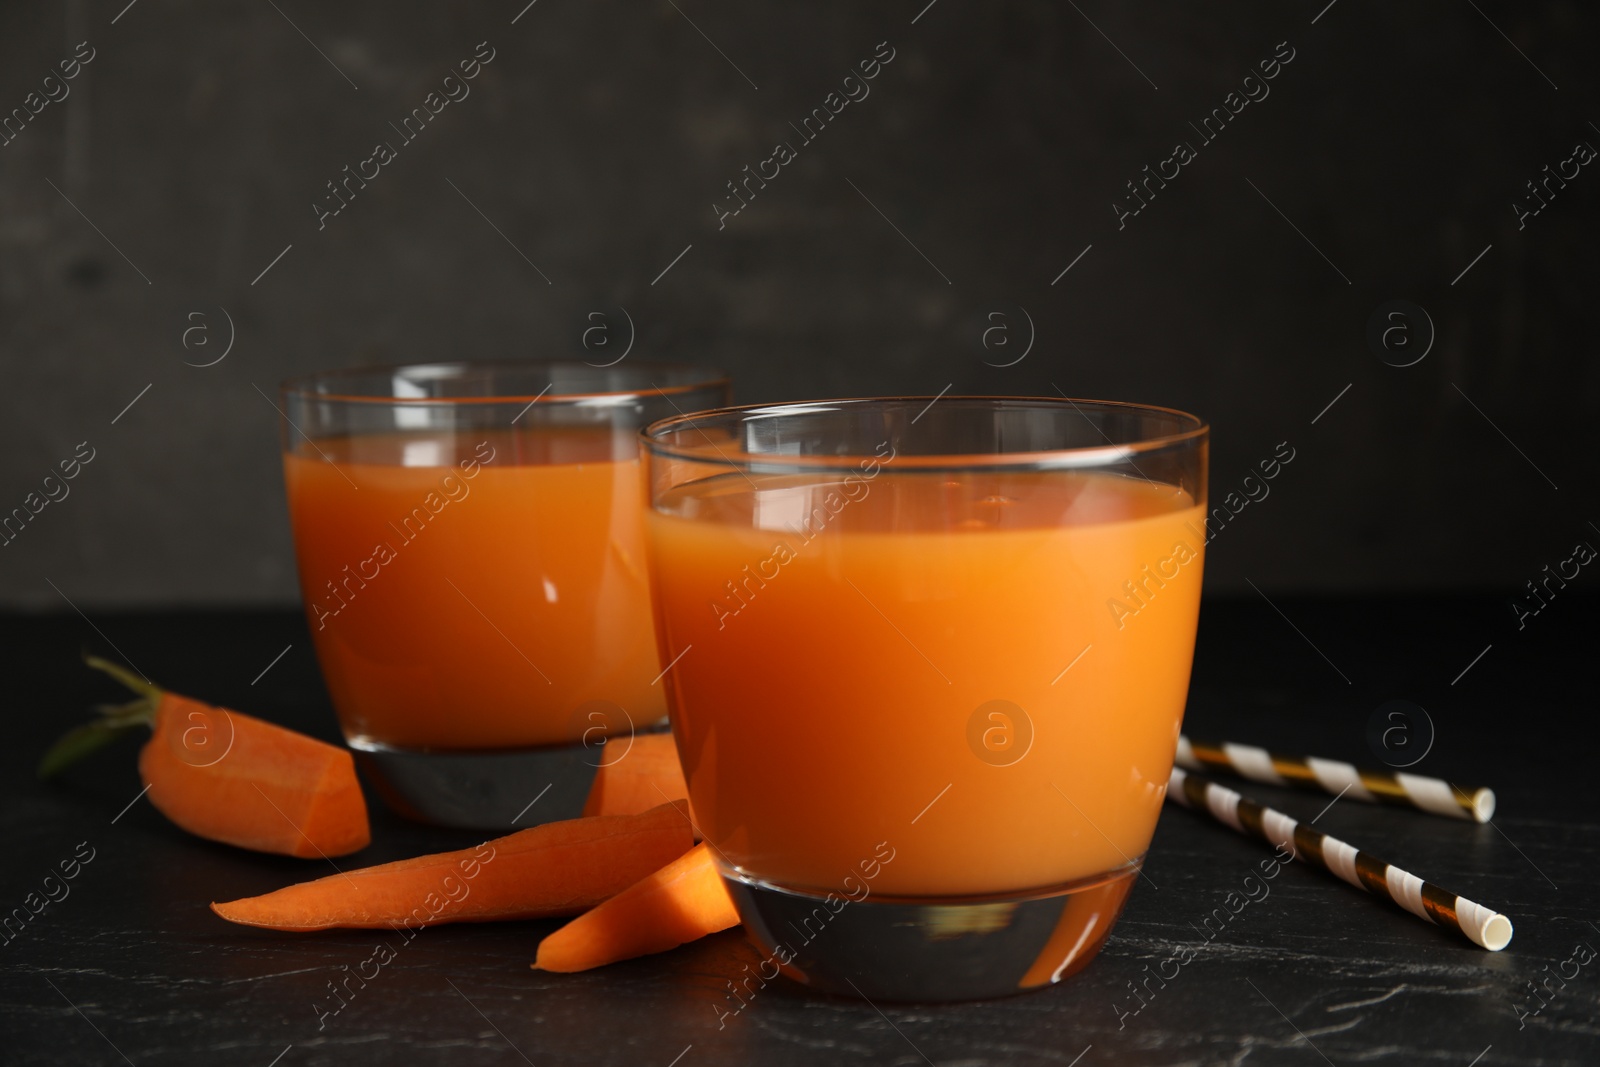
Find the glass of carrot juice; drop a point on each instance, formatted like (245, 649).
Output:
(928, 665)
(470, 543)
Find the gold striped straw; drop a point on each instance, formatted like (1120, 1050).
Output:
(1409, 790)
(1478, 924)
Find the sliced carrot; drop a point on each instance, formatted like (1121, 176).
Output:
(647, 774)
(559, 868)
(244, 781)
(681, 902)
(231, 777)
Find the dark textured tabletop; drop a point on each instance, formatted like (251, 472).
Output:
(130, 966)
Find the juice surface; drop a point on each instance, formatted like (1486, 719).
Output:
(482, 590)
(846, 642)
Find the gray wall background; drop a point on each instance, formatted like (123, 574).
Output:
(193, 145)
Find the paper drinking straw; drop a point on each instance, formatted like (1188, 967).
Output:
(1478, 924)
(1411, 790)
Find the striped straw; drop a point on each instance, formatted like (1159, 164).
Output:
(1411, 790)
(1478, 924)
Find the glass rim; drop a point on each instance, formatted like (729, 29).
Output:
(650, 437)
(302, 386)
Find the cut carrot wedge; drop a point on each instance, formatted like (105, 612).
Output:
(646, 775)
(230, 777)
(681, 902)
(559, 868)
(244, 781)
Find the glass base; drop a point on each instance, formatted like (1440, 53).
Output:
(500, 789)
(931, 949)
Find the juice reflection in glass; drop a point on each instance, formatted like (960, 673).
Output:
(934, 666)
(470, 546)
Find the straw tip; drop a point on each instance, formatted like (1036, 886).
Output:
(1496, 933)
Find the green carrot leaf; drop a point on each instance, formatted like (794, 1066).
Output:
(139, 684)
(80, 741)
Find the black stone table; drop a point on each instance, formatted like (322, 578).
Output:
(131, 967)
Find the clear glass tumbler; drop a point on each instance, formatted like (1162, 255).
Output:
(929, 659)
(471, 552)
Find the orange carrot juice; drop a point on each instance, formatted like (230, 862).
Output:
(981, 674)
(476, 590)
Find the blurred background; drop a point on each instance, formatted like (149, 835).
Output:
(1348, 260)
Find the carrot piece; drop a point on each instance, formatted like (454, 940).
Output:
(681, 902)
(231, 777)
(647, 775)
(559, 868)
(244, 781)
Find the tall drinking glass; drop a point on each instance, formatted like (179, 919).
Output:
(471, 553)
(929, 660)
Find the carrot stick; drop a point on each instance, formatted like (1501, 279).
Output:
(646, 775)
(559, 868)
(681, 902)
(231, 777)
